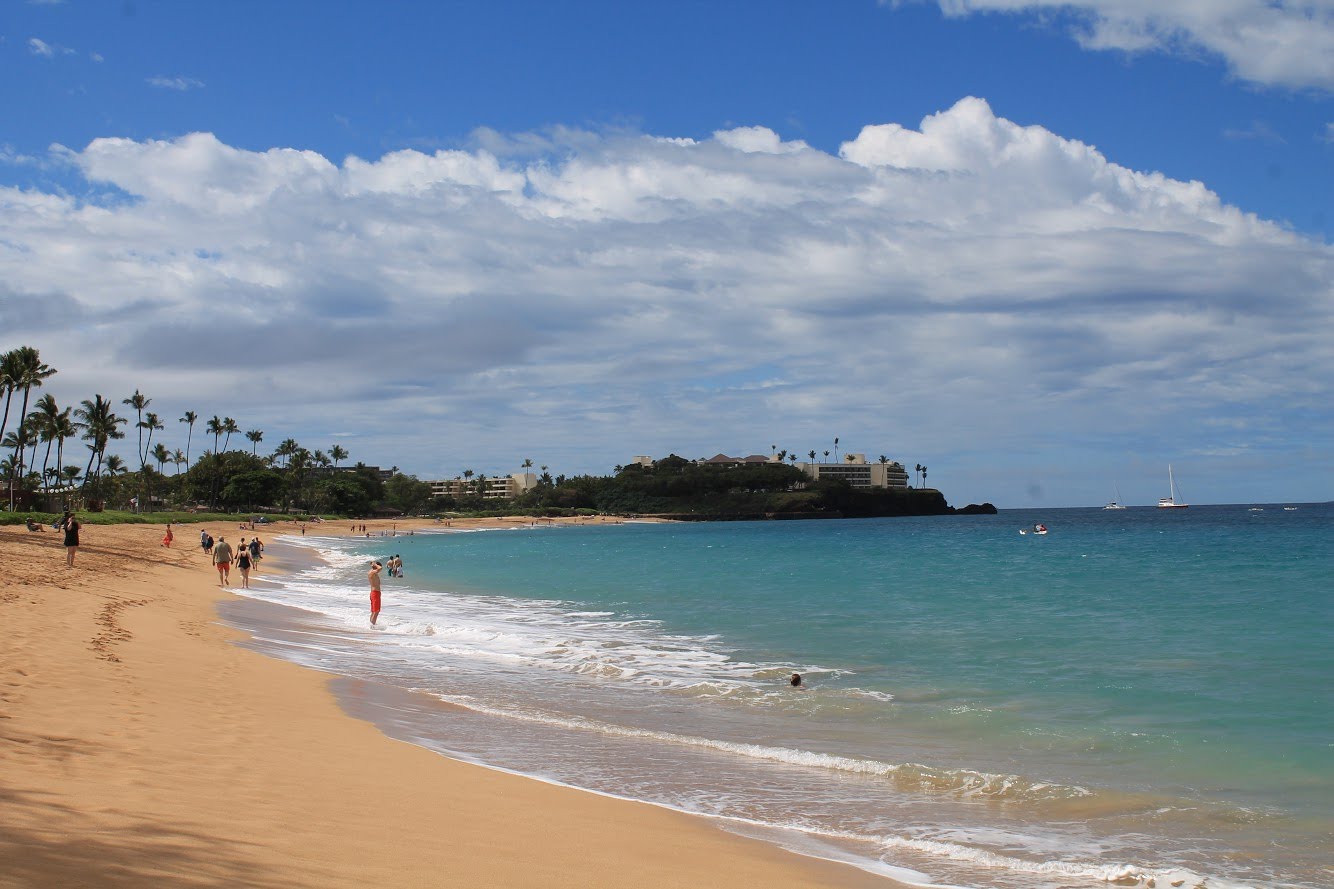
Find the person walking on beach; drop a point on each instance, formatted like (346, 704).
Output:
(167, 538)
(374, 576)
(243, 565)
(70, 524)
(256, 547)
(222, 558)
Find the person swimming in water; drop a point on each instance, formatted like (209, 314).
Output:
(795, 681)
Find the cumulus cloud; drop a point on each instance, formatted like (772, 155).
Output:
(180, 84)
(581, 297)
(39, 47)
(1286, 43)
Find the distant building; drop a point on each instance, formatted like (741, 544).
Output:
(853, 469)
(499, 487)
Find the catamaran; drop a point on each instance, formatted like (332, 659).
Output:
(1170, 501)
(1116, 504)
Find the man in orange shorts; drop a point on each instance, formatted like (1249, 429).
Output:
(374, 576)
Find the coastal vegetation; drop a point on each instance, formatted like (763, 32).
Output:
(171, 484)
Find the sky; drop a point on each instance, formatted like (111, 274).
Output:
(1044, 248)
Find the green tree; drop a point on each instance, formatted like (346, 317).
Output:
(139, 402)
(160, 455)
(255, 436)
(252, 487)
(100, 427)
(26, 371)
(228, 426)
(337, 454)
(406, 493)
(189, 418)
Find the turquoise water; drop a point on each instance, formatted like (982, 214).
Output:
(1137, 696)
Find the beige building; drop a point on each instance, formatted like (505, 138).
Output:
(853, 469)
(857, 472)
(499, 487)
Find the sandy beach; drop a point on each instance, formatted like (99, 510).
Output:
(142, 747)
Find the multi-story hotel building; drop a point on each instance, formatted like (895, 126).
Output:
(499, 487)
(853, 469)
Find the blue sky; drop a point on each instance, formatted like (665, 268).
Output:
(1043, 248)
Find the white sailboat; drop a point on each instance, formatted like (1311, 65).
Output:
(1116, 504)
(1170, 501)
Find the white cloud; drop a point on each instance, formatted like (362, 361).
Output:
(181, 84)
(580, 298)
(96, 57)
(39, 47)
(1286, 43)
(1329, 132)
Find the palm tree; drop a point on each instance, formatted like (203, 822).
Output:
(287, 450)
(228, 426)
(255, 436)
(179, 458)
(214, 428)
(190, 417)
(826, 456)
(8, 371)
(337, 454)
(63, 428)
(811, 454)
(27, 371)
(160, 455)
(527, 465)
(835, 448)
(43, 422)
(917, 472)
(100, 425)
(152, 423)
(139, 402)
(321, 459)
(923, 476)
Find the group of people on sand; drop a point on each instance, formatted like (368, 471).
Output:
(246, 555)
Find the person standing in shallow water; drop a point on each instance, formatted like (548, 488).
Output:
(795, 681)
(70, 524)
(374, 576)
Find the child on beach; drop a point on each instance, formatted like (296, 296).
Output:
(167, 538)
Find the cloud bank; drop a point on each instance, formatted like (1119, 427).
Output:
(968, 290)
(1286, 43)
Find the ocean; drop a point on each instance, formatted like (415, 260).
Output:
(1137, 698)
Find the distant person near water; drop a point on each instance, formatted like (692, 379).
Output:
(795, 681)
(222, 558)
(167, 538)
(70, 525)
(374, 576)
(243, 564)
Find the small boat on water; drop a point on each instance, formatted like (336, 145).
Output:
(1289, 509)
(1170, 501)
(1115, 504)
(1036, 529)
